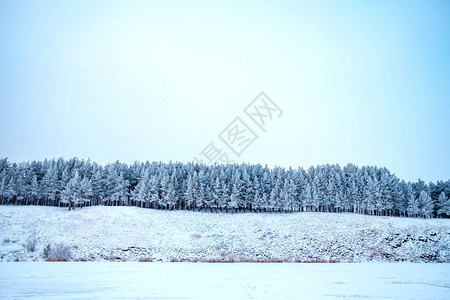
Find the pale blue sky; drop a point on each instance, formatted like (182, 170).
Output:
(359, 81)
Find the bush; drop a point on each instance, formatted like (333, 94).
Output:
(59, 252)
(30, 244)
(47, 250)
(56, 259)
(196, 236)
(145, 259)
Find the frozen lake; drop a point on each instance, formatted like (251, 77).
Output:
(133, 280)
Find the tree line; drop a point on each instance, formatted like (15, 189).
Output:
(226, 188)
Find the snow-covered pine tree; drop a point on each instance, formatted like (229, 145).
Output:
(171, 196)
(163, 189)
(426, 205)
(139, 195)
(235, 197)
(11, 191)
(35, 190)
(306, 197)
(71, 195)
(3, 186)
(119, 193)
(413, 206)
(98, 184)
(189, 194)
(237, 190)
(153, 191)
(225, 197)
(444, 205)
(86, 191)
(216, 193)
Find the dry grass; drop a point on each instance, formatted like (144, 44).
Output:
(144, 259)
(317, 261)
(82, 259)
(56, 259)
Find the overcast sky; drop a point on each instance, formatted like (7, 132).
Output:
(366, 82)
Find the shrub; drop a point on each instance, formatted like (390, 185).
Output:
(196, 236)
(145, 259)
(59, 252)
(30, 244)
(56, 259)
(317, 261)
(46, 251)
(83, 259)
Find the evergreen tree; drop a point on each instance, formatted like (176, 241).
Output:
(171, 195)
(217, 194)
(426, 204)
(189, 194)
(71, 195)
(35, 190)
(413, 206)
(444, 205)
(153, 191)
(86, 190)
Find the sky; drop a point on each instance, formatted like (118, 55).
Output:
(363, 82)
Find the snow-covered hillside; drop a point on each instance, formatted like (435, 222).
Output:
(119, 233)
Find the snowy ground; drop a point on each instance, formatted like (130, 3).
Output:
(134, 280)
(116, 233)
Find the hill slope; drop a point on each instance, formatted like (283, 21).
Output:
(114, 233)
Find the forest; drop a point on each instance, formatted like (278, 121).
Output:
(228, 188)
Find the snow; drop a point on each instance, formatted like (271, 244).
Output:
(115, 233)
(133, 280)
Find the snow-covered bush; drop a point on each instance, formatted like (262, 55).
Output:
(46, 251)
(30, 244)
(60, 252)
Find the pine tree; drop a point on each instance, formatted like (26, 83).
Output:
(413, 206)
(50, 184)
(235, 196)
(163, 189)
(171, 196)
(426, 204)
(257, 202)
(217, 193)
(11, 190)
(3, 186)
(120, 193)
(225, 197)
(35, 190)
(98, 184)
(307, 198)
(86, 190)
(72, 192)
(189, 194)
(153, 191)
(444, 205)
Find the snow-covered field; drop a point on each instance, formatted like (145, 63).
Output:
(127, 233)
(134, 280)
